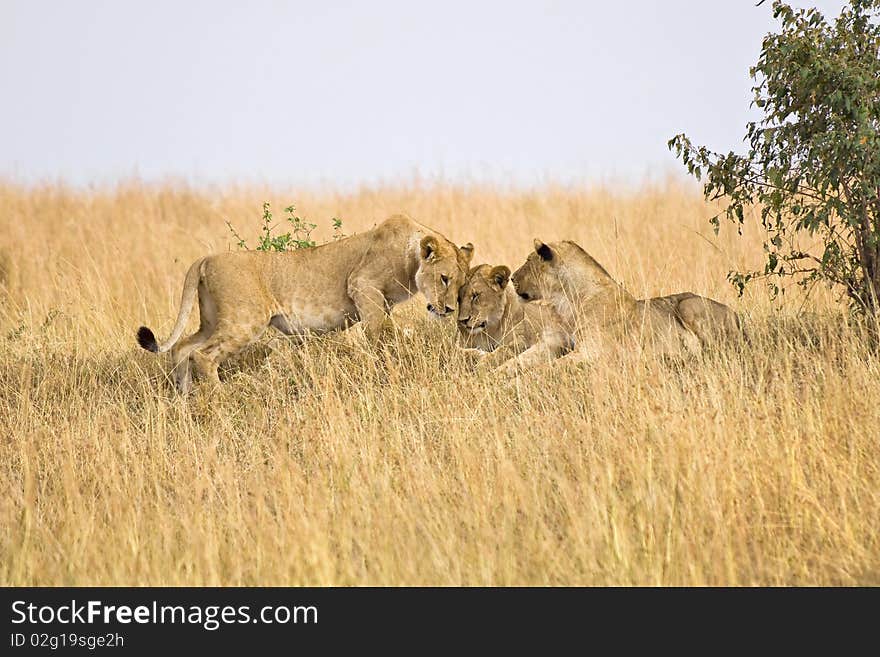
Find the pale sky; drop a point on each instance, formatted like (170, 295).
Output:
(347, 93)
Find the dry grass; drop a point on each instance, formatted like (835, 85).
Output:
(330, 464)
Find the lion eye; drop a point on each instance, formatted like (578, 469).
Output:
(445, 279)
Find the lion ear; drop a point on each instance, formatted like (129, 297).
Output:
(500, 275)
(543, 250)
(467, 251)
(428, 246)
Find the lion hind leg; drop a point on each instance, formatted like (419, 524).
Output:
(708, 319)
(222, 345)
(181, 352)
(182, 364)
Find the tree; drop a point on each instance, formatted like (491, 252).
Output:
(813, 164)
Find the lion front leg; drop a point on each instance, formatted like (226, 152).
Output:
(578, 356)
(473, 355)
(492, 360)
(484, 361)
(539, 354)
(372, 309)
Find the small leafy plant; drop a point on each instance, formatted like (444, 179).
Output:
(299, 235)
(337, 228)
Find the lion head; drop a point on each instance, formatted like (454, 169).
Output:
(538, 278)
(481, 300)
(560, 270)
(443, 267)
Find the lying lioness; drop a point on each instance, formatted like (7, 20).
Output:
(495, 323)
(571, 302)
(316, 290)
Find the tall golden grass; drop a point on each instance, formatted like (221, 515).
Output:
(334, 464)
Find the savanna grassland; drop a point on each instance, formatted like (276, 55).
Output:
(335, 464)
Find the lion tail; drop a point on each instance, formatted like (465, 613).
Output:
(145, 336)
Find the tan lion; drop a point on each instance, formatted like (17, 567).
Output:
(317, 290)
(495, 325)
(570, 303)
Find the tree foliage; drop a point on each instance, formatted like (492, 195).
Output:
(813, 160)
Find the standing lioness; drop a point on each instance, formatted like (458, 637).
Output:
(325, 288)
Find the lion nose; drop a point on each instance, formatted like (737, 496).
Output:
(433, 309)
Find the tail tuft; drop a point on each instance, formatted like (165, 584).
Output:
(147, 340)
